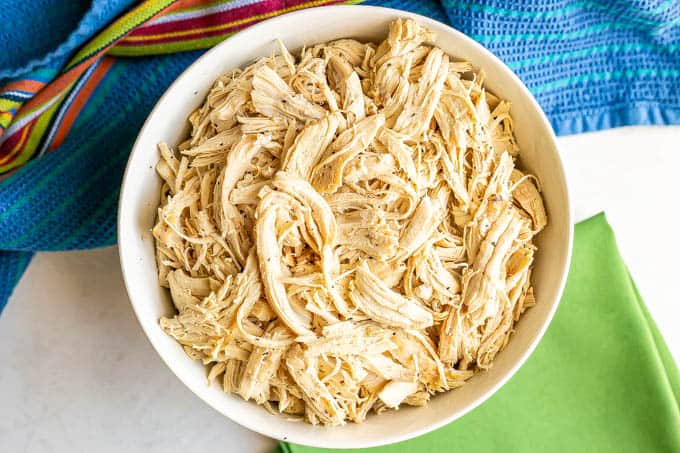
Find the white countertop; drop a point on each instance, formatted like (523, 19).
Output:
(78, 374)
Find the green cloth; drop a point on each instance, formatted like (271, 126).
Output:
(600, 380)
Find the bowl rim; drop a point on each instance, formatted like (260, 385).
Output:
(444, 419)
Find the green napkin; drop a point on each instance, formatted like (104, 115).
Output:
(601, 379)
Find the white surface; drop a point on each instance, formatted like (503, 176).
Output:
(78, 374)
(140, 196)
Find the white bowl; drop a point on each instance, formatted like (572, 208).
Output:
(168, 123)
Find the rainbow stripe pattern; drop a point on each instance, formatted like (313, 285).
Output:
(68, 117)
(33, 109)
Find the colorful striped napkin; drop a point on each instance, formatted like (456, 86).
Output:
(78, 78)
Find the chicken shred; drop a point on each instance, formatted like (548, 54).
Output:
(345, 230)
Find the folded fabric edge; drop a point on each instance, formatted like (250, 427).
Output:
(84, 30)
(282, 447)
(664, 356)
(12, 267)
(635, 114)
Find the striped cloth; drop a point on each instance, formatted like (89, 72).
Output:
(74, 90)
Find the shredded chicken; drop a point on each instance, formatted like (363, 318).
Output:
(346, 231)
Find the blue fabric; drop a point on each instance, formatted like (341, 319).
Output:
(75, 189)
(592, 64)
(42, 34)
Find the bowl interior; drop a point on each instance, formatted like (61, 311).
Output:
(140, 198)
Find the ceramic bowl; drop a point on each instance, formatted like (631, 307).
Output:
(168, 123)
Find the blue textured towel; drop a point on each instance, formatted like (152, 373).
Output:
(592, 64)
